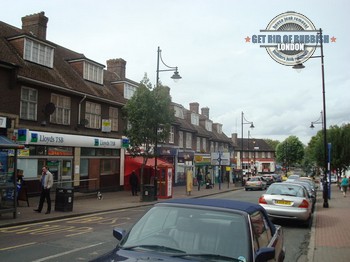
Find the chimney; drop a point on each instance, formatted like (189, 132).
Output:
(117, 66)
(35, 24)
(194, 107)
(205, 112)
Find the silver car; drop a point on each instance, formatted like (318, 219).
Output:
(288, 201)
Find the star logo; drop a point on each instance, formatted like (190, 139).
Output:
(333, 39)
(247, 39)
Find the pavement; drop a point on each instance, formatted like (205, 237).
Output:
(330, 232)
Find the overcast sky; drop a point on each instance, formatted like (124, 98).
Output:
(205, 39)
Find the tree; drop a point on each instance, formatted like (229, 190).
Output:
(272, 143)
(149, 116)
(290, 152)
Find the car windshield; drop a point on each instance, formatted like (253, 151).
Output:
(254, 179)
(286, 189)
(191, 231)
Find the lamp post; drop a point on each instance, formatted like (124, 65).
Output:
(244, 121)
(176, 77)
(301, 66)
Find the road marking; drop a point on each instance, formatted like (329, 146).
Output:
(13, 247)
(66, 253)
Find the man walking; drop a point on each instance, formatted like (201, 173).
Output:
(134, 182)
(46, 184)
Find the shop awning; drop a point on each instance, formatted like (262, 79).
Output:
(150, 162)
(9, 144)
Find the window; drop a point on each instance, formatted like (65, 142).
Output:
(179, 113)
(181, 139)
(172, 135)
(93, 115)
(113, 116)
(194, 119)
(129, 91)
(208, 125)
(204, 144)
(39, 53)
(29, 103)
(261, 231)
(63, 109)
(219, 128)
(188, 140)
(211, 146)
(198, 148)
(93, 72)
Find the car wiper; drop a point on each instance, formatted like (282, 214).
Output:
(154, 247)
(210, 256)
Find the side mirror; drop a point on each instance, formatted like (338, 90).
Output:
(265, 254)
(119, 233)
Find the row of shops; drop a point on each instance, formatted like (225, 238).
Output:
(94, 163)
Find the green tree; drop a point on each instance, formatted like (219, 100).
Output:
(290, 152)
(272, 143)
(149, 117)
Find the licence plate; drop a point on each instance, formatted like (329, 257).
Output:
(283, 202)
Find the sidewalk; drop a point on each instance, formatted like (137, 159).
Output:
(89, 204)
(330, 233)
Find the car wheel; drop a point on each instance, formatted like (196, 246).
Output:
(308, 222)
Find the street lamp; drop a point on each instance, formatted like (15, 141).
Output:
(244, 121)
(318, 121)
(301, 66)
(176, 77)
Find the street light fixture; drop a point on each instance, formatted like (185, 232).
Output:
(176, 77)
(301, 66)
(244, 121)
(318, 121)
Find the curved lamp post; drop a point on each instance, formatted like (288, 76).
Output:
(324, 126)
(244, 121)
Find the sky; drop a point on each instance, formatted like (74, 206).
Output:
(206, 40)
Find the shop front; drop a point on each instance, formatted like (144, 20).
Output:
(183, 164)
(83, 162)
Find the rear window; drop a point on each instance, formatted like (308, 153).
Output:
(286, 189)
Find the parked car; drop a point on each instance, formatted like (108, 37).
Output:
(255, 182)
(333, 179)
(311, 191)
(200, 230)
(277, 177)
(292, 178)
(269, 179)
(288, 200)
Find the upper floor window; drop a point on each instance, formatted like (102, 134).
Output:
(29, 103)
(93, 72)
(263, 154)
(219, 128)
(62, 111)
(172, 135)
(204, 144)
(195, 119)
(93, 115)
(268, 154)
(188, 140)
(129, 91)
(179, 112)
(208, 125)
(198, 148)
(38, 52)
(113, 116)
(181, 139)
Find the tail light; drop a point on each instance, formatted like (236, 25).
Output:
(262, 200)
(304, 204)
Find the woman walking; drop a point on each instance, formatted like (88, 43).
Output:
(344, 185)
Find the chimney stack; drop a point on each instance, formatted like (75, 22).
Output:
(194, 107)
(205, 111)
(35, 24)
(117, 66)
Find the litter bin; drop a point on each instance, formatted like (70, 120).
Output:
(64, 199)
(148, 192)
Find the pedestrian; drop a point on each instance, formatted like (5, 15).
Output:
(199, 179)
(134, 182)
(344, 185)
(46, 181)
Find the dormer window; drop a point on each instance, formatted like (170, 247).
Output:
(195, 119)
(208, 125)
(219, 128)
(93, 72)
(38, 52)
(179, 113)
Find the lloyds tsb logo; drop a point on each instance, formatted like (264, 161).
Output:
(290, 38)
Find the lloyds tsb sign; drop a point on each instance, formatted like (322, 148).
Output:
(290, 38)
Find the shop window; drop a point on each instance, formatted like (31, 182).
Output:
(88, 151)
(108, 166)
(84, 168)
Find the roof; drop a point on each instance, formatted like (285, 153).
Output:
(7, 143)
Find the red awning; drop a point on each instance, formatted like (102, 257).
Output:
(150, 162)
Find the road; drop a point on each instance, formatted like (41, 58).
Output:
(85, 237)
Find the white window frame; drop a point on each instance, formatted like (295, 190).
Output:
(179, 113)
(63, 109)
(93, 115)
(129, 91)
(188, 140)
(38, 52)
(204, 144)
(93, 72)
(181, 139)
(198, 144)
(114, 117)
(29, 104)
(209, 125)
(195, 119)
(172, 135)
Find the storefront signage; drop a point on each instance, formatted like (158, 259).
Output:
(56, 139)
